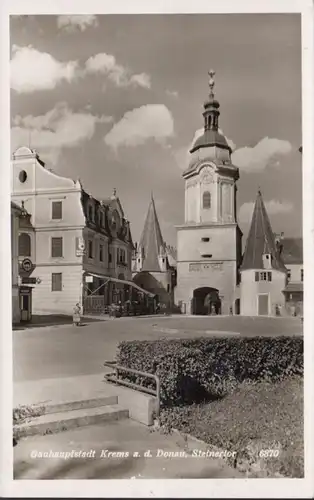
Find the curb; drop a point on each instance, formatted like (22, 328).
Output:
(192, 441)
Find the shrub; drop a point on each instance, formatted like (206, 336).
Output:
(199, 369)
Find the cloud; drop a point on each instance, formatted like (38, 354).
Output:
(257, 158)
(32, 70)
(183, 155)
(122, 77)
(151, 121)
(142, 79)
(273, 207)
(172, 93)
(58, 128)
(76, 22)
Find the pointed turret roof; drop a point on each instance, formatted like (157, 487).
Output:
(261, 240)
(151, 241)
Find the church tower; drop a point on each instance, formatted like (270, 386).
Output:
(209, 242)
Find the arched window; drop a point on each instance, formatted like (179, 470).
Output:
(206, 199)
(24, 245)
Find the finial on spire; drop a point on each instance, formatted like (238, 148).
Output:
(211, 83)
(114, 192)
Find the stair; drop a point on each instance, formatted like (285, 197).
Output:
(70, 415)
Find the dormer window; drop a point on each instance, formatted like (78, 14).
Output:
(206, 200)
(91, 213)
(267, 260)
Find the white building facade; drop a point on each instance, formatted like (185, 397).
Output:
(209, 242)
(73, 235)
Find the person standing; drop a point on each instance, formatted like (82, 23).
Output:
(77, 315)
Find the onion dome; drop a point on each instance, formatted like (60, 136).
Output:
(211, 136)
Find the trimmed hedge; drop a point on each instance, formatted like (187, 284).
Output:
(202, 369)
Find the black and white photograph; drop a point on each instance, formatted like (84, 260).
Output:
(161, 237)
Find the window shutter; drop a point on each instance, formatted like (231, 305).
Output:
(57, 210)
(56, 282)
(56, 247)
(256, 276)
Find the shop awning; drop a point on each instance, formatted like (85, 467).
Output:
(293, 287)
(123, 282)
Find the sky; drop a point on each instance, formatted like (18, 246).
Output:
(117, 101)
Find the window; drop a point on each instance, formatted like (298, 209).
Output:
(91, 213)
(207, 255)
(101, 253)
(56, 282)
(56, 247)
(90, 249)
(56, 212)
(24, 245)
(110, 257)
(22, 176)
(263, 276)
(205, 240)
(302, 275)
(206, 199)
(288, 274)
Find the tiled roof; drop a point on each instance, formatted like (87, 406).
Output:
(151, 240)
(261, 240)
(292, 250)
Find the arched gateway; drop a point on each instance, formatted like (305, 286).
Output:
(206, 301)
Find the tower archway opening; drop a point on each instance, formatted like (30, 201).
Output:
(206, 301)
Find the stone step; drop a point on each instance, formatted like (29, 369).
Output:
(52, 423)
(63, 406)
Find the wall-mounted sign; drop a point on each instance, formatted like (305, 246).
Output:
(27, 265)
(89, 279)
(29, 281)
(200, 266)
(80, 249)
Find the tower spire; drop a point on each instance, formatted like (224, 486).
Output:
(211, 106)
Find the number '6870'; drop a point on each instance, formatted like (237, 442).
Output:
(269, 453)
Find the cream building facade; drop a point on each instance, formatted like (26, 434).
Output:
(209, 242)
(73, 236)
(263, 272)
(15, 224)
